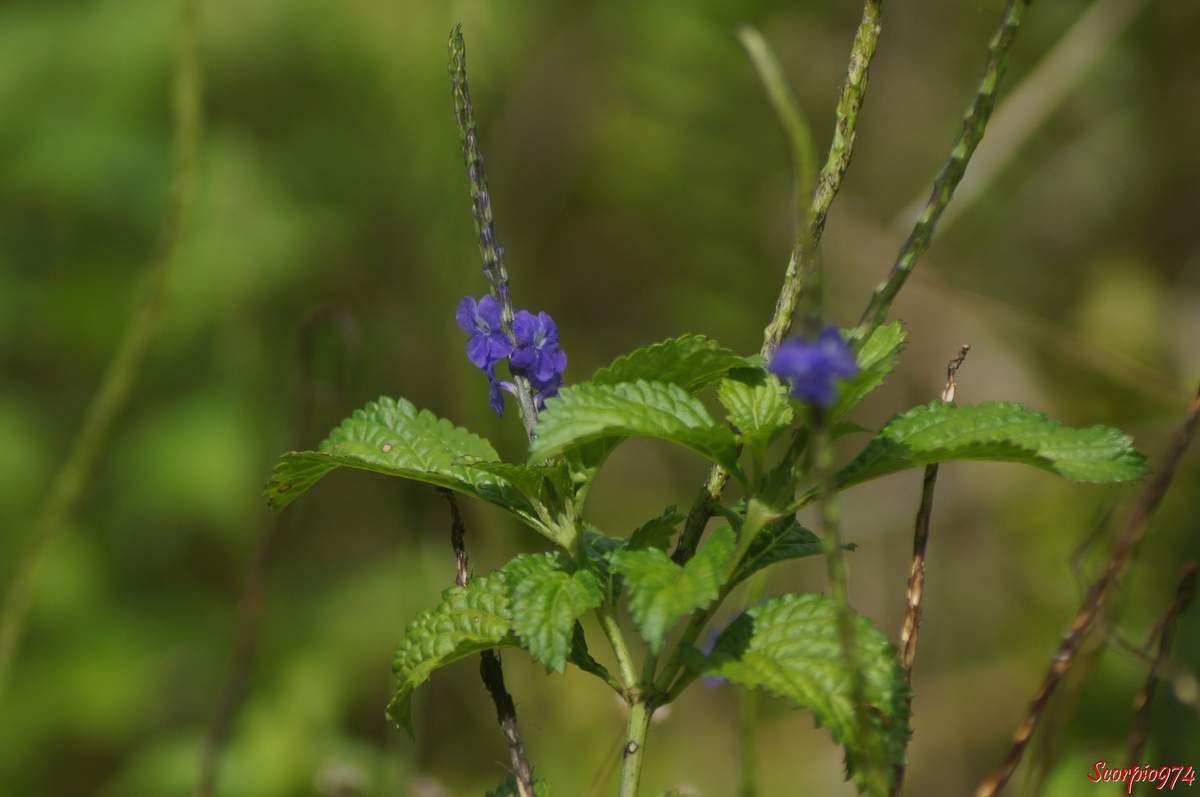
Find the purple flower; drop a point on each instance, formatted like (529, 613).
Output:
(537, 355)
(487, 343)
(811, 367)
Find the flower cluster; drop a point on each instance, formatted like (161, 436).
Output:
(811, 367)
(533, 350)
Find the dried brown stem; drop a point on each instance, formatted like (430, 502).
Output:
(490, 669)
(916, 574)
(1166, 635)
(1093, 602)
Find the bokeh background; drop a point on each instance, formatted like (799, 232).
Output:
(642, 190)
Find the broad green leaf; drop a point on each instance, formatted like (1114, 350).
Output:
(757, 410)
(545, 600)
(693, 362)
(779, 540)
(661, 591)
(509, 789)
(582, 659)
(877, 358)
(587, 412)
(790, 646)
(392, 437)
(999, 431)
(656, 532)
(469, 620)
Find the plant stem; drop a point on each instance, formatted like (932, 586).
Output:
(1184, 595)
(747, 720)
(1089, 611)
(616, 638)
(801, 266)
(490, 248)
(122, 372)
(635, 747)
(951, 172)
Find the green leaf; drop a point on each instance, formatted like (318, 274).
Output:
(469, 620)
(757, 410)
(587, 412)
(656, 532)
(545, 600)
(693, 362)
(999, 431)
(790, 646)
(598, 548)
(877, 358)
(392, 437)
(779, 541)
(582, 659)
(661, 591)
(509, 789)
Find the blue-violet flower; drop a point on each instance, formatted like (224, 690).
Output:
(537, 355)
(810, 367)
(487, 343)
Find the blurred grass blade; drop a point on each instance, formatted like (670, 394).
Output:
(118, 380)
(791, 118)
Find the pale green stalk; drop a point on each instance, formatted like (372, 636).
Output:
(948, 177)
(119, 378)
(801, 267)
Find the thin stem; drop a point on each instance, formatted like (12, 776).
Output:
(1184, 595)
(490, 669)
(1089, 610)
(616, 638)
(951, 173)
(802, 262)
(633, 753)
(490, 248)
(122, 372)
(835, 565)
(916, 575)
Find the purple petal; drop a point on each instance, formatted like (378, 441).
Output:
(549, 329)
(499, 346)
(478, 348)
(496, 398)
(524, 358)
(465, 314)
(488, 312)
(525, 327)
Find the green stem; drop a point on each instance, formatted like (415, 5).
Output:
(951, 173)
(616, 638)
(634, 749)
(122, 372)
(747, 722)
(803, 259)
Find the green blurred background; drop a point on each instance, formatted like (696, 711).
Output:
(642, 190)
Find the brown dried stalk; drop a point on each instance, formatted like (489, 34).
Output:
(489, 663)
(1165, 631)
(916, 573)
(1089, 611)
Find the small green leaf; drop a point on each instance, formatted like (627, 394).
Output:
(392, 437)
(545, 600)
(779, 541)
(509, 789)
(656, 532)
(998, 431)
(877, 357)
(469, 620)
(758, 411)
(586, 412)
(582, 659)
(661, 591)
(693, 362)
(790, 646)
